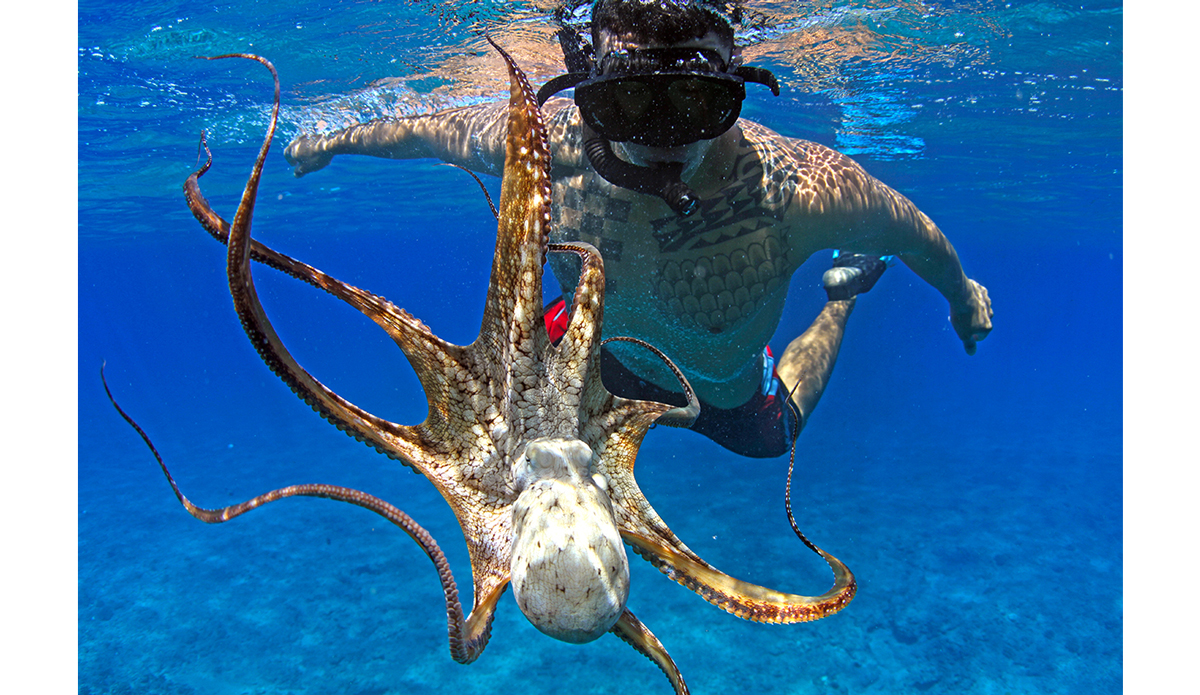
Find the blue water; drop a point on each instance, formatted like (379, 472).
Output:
(977, 499)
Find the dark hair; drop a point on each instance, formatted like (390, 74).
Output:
(659, 21)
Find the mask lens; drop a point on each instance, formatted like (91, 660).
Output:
(703, 104)
(633, 98)
(660, 110)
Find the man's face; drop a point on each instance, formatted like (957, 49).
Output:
(690, 154)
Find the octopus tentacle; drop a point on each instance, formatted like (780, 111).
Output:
(467, 636)
(419, 345)
(741, 598)
(647, 534)
(486, 194)
(587, 306)
(574, 364)
(633, 633)
(407, 331)
(512, 328)
(787, 490)
(681, 416)
(218, 228)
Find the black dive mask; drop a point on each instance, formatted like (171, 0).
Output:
(660, 97)
(657, 97)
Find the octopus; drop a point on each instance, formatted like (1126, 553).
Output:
(532, 453)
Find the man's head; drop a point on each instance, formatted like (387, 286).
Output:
(662, 75)
(662, 81)
(659, 23)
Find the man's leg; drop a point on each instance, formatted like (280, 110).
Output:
(807, 363)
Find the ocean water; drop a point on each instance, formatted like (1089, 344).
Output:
(977, 499)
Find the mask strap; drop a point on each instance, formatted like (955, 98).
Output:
(560, 83)
(762, 76)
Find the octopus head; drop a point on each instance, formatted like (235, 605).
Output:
(569, 571)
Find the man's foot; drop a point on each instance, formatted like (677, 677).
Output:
(853, 273)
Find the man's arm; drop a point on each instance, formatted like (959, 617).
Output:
(843, 207)
(471, 136)
(934, 260)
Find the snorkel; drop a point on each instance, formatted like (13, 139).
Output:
(663, 180)
(660, 97)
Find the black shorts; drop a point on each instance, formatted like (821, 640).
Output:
(759, 428)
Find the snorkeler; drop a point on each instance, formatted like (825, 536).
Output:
(701, 218)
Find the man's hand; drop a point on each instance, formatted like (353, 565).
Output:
(306, 155)
(973, 322)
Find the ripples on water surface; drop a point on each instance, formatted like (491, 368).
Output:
(868, 78)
